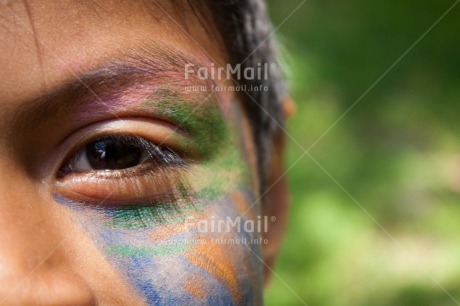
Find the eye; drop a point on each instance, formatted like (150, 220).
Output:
(122, 169)
(109, 153)
(118, 152)
(123, 174)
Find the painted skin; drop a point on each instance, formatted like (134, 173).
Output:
(160, 247)
(76, 238)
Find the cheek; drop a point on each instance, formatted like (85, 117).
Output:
(227, 251)
(206, 257)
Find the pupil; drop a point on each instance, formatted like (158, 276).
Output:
(112, 154)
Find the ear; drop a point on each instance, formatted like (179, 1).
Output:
(277, 199)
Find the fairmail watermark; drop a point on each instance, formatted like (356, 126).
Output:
(212, 225)
(229, 224)
(242, 78)
(226, 88)
(237, 72)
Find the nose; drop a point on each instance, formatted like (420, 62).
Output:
(34, 266)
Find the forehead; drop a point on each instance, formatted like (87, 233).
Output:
(47, 43)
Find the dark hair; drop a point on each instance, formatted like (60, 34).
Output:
(247, 32)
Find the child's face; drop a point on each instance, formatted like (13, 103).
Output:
(120, 184)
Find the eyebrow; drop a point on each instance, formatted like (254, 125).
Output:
(143, 69)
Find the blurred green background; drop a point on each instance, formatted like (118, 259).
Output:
(391, 235)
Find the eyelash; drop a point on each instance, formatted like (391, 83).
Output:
(163, 169)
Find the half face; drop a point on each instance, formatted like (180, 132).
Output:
(121, 183)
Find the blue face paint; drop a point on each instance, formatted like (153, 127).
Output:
(161, 266)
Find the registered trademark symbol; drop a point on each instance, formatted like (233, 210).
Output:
(273, 219)
(273, 66)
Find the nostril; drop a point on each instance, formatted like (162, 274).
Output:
(48, 288)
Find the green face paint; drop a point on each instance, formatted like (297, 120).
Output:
(146, 251)
(139, 217)
(218, 171)
(204, 121)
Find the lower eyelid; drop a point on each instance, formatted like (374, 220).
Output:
(149, 208)
(123, 186)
